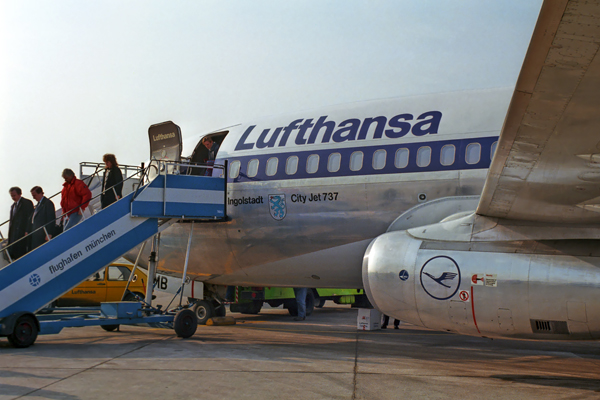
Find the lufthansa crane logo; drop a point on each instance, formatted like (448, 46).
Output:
(440, 277)
(403, 275)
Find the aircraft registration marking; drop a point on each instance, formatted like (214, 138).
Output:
(314, 197)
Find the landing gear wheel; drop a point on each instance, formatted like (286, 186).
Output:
(185, 323)
(110, 328)
(203, 310)
(24, 333)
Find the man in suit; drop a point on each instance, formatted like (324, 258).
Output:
(20, 217)
(44, 215)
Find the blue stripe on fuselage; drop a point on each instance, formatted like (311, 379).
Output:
(367, 167)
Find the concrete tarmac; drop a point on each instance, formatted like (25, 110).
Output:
(269, 356)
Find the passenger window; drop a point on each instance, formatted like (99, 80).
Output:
(312, 163)
(379, 159)
(493, 151)
(334, 162)
(401, 160)
(272, 166)
(291, 165)
(252, 168)
(234, 169)
(447, 155)
(356, 160)
(423, 156)
(118, 273)
(473, 154)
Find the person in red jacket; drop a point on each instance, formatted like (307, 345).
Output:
(75, 197)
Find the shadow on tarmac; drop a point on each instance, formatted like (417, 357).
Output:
(553, 381)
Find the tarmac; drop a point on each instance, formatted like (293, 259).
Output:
(269, 356)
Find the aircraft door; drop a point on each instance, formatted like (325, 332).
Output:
(165, 144)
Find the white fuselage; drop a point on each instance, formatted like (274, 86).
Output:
(307, 193)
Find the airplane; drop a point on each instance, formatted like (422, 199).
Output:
(470, 212)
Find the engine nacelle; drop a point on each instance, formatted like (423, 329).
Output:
(532, 290)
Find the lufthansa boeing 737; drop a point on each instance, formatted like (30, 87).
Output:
(467, 212)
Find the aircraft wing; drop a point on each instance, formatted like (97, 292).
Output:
(547, 163)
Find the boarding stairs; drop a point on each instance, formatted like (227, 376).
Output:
(44, 274)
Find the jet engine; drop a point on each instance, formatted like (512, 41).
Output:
(517, 289)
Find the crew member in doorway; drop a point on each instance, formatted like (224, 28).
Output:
(301, 303)
(42, 221)
(112, 181)
(20, 215)
(75, 197)
(212, 146)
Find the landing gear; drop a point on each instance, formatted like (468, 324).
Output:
(203, 310)
(185, 323)
(24, 332)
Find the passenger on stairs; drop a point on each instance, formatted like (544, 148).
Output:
(112, 181)
(43, 216)
(75, 197)
(20, 215)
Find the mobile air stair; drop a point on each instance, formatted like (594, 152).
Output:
(44, 274)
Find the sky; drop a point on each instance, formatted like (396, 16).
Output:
(82, 78)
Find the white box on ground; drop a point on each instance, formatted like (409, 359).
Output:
(368, 319)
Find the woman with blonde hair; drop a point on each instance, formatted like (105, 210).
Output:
(112, 181)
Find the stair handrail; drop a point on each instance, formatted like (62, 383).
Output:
(5, 251)
(90, 178)
(143, 172)
(161, 167)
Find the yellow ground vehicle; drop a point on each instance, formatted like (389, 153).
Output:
(107, 284)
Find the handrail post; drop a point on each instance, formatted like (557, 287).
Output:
(151, 270)
(165, 191)
(187, 260)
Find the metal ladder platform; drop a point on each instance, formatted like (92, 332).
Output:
(44, 274)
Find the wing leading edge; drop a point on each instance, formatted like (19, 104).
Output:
(547, 163)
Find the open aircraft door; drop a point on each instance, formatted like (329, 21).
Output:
(165, 144)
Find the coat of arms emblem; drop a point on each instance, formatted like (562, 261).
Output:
(277, 206)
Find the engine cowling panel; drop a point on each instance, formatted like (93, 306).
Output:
(530, 290)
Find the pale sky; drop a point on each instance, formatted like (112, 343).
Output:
(82, 78)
